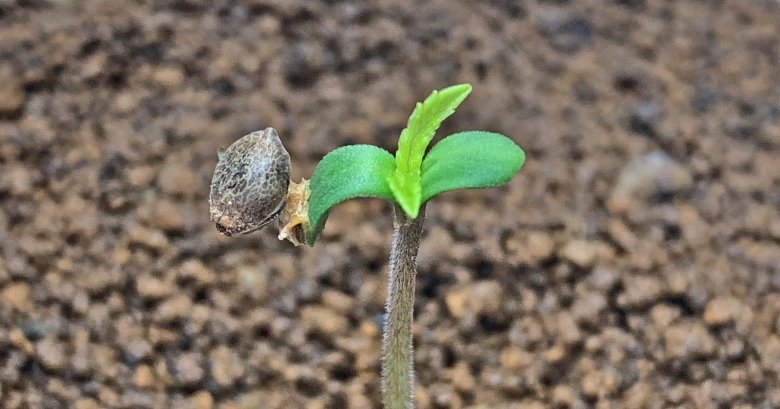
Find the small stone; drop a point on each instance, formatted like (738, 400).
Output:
(641, 395)
(648, 177)
(196, 271)
(148, 238)
(135, 350)
(689, 340)
(663, 315)
(17, 180)
(104, 360)
(57, 388)
(462, 378)
(187, 370)
(140, 176)
(338, 301)
(136, 399)
(176, 178)
(722, 311)
(587, 308)
(51, 354)
(80, 303)
(621, 234)
(580, 252)
(540, 246)
(704, 99)
(253, 399)
(93, 66)
(152, 288)
(484, 297)
(16, 296)
(563, 396)
(167, 216)
(769, 352)
(644, 118)
(565, 33)
(162, 374)
(639, 291)
(168, 78)
(319, 319)
(143, 377)
(81, 362)
(201, 400)
(566, 329)
(590, 385)
(161, 335)
(735, 349)
(108, 397)
(603, 279)
(610, 380)
(304, 61)
(175, 308)
(444, 396)
(226, 366)
(86, 403)
(12, 98)
(531, 404)
(774, 396)
(554, 354)
(19, 341)
(513, 358)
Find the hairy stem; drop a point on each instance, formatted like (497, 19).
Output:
(397, 357)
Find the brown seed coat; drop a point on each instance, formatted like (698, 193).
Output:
(250, 183)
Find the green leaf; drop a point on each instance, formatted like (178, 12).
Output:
(468, 160)
(414, 140)
(345, 173)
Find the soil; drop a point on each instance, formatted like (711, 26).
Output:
(633, 263)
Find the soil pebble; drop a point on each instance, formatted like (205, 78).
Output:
(16, 296)
(631, 263)
(689, 341)
(51, 353)
(187, 370)
(12, 98)
(226, 366)
(648, 177)
(479, 298)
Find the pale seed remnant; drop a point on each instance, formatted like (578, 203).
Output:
(294, 219)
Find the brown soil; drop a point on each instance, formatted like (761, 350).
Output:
(633, 263)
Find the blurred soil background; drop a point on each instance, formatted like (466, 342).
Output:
(633, 263)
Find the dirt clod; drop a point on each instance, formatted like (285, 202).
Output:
(480, 298)
(187, 370)
(226, 366)
(12, 97)
(724, 310)
(632, 263)
(16, 296)
(51, 354)
(689, 340)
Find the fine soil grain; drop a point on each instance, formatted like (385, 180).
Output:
(633, 263)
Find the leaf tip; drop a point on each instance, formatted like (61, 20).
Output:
(410, 209)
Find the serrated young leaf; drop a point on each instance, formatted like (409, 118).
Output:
(469, 160)
(346, 173)
(420, 129)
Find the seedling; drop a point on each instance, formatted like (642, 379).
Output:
(251, 186)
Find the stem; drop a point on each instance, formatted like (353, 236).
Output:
(397, 357)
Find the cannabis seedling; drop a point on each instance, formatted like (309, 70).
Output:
(251, 186)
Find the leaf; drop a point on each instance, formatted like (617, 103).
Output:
(345, 173)
(414, 140)
(466, 160)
